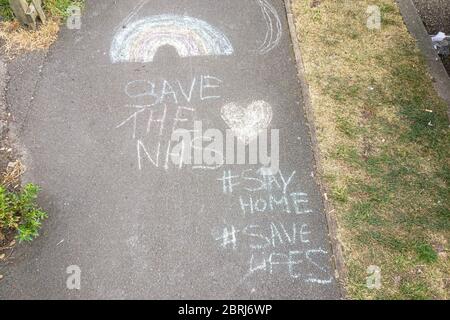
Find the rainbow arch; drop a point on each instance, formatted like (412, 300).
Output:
(191, 37)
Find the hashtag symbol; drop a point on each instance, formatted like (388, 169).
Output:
(228, 237)
(227, 181)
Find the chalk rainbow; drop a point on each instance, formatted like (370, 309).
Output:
(191, 37)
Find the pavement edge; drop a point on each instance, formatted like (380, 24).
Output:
(441, 80)
(336, 246)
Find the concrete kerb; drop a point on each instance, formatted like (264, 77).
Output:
(441, 80)
(308, 109)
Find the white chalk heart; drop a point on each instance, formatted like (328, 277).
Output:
(246, 123)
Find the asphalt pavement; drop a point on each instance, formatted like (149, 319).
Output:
(95, 116)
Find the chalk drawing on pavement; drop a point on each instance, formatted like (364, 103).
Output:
(276, 235)
(170, 108)
(274, 28)
(131, 15)
(191, 37)
(246, 123)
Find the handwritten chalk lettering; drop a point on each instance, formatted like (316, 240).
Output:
(141, 88)
(166, 96)
(280, 260)
(142, 152)
(228, 181)
(255, 180)
(152, 152)
(295, 202)
(207, 84)
(179, 118)
(303, 234)
(258, 240)
(270, 182)
(294, 263)
(175, 92)
(228, 238)
(187, 96)
(299, 201)
(133, 120)
(258, 237)
(149, 124)
(311, 257)
(147, 117)
(275, 235)
(159, 120)
(167, 90)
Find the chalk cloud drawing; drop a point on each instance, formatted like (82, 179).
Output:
(191, 37)
(274, 28)
(246, 123)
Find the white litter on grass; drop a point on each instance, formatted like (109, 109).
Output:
(441, 43)
(439, 37)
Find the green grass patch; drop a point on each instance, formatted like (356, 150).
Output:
(426, 253)
(5, 10)
(19, 212)
(53, 8)
(415, 290)
(384, 147)
(59, 8)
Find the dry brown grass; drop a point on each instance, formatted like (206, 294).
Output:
(16, 40)
(11, 178)
(384, 141)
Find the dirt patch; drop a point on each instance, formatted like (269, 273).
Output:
(435, 15)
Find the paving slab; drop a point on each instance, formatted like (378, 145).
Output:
(96, 129)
